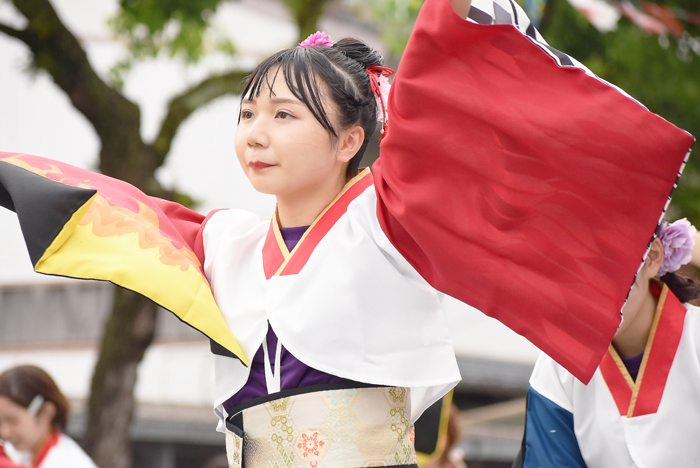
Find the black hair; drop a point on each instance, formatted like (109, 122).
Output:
(342, 68)
(684, 288)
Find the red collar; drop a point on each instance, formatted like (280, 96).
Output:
(640, 397)
(278, 261)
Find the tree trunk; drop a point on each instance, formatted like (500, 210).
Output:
(124, 155)
(128, 333)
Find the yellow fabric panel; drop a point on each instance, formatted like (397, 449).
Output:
(114, 244)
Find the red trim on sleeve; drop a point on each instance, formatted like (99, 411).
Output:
(198, 243)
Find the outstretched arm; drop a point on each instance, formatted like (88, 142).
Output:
(508, 176)
(81, 224)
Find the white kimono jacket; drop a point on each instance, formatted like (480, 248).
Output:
(616, 422)
(392, 333)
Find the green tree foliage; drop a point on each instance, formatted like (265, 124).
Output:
(183, 28)
(180, 28)
(653, 70)
(306, 13)
(394, 18)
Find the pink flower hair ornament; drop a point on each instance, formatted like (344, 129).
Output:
(677, 240)
(319, 38)
(378, 78)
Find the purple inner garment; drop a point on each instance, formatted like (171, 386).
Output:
(293, 373)
(292, 236)
(633, 364)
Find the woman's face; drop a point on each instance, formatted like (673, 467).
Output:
(24, 431)
(282, 148)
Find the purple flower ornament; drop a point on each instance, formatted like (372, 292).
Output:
(677, 240)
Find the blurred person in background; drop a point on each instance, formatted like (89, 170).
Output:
(641, 406)
(451, 454)
(217, 461)
(33, 418)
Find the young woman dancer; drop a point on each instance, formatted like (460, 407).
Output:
(33, 416)
(640, 408)
(503, 158)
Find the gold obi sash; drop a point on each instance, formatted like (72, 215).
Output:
(336, 428)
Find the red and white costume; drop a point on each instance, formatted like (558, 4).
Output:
(620, 423)
(344, 301)
(59, 451)
(507, 177)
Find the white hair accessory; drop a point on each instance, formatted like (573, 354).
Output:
(35, 405)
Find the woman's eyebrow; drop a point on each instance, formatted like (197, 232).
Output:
(279, 100)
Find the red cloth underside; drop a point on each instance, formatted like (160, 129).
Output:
(527, 190)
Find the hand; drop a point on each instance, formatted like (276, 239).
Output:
(461, 7)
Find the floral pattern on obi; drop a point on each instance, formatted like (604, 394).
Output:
(347, 428)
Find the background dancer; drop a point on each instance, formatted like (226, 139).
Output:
(33, 417)
(640, 407)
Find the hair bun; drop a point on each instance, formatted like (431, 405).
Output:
(359, 51)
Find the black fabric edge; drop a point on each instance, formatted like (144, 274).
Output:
(38, 231)
(564, 60)
(299, 391)
(215, 347)
(515, 14)
(479, 16)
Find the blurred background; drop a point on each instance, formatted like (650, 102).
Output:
(146, 90)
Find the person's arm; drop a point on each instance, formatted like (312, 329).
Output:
(695, 259)
(461, 7)
(549, 440)
(509, 175)
(82, 224)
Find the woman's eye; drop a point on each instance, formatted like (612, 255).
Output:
(246, 114)
(283, 115)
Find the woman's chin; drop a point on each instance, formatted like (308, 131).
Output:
(264, 188)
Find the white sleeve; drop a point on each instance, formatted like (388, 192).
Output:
(553, 382)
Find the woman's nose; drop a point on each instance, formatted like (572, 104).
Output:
(257, 134)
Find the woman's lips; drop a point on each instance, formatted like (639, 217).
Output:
(257, 165)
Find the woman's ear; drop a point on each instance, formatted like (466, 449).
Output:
(350, 143)
(655, 258)
(47, 413)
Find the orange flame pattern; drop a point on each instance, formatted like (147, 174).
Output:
(110, 221)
